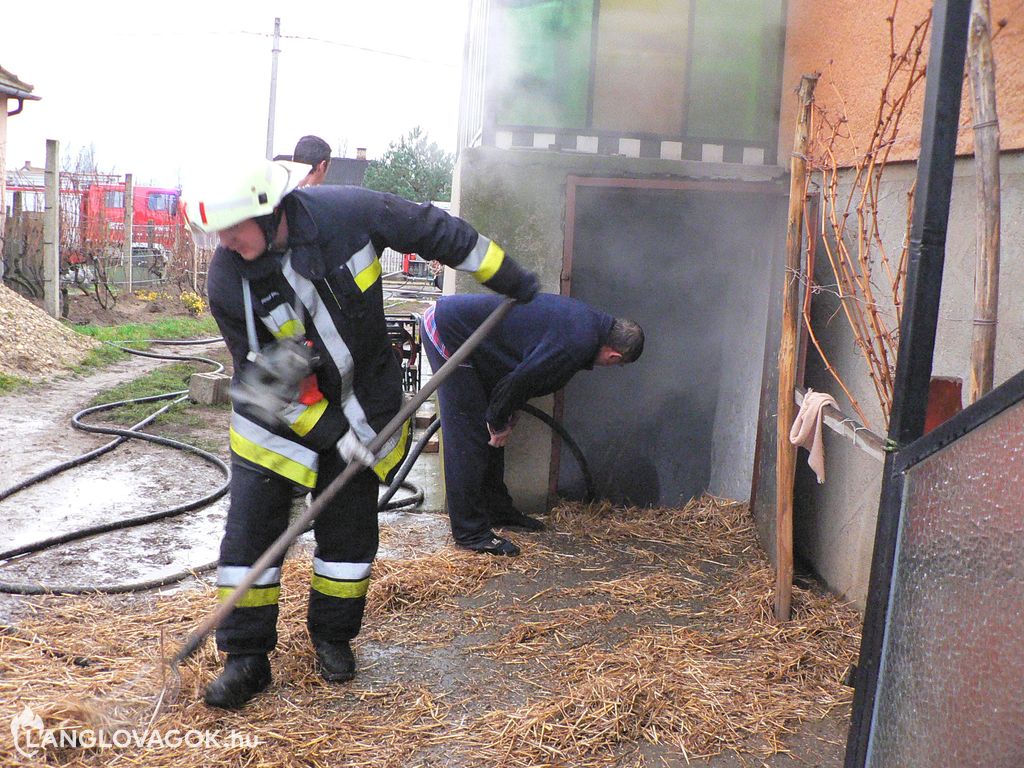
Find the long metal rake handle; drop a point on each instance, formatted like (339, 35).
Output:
(301, 523)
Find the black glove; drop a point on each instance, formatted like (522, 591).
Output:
(514, 281)
(528, 288)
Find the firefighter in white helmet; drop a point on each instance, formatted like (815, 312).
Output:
(295, 288)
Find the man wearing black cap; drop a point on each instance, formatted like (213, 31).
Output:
(314, 151)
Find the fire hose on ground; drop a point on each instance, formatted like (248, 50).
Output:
(385, 502)
(122, 436)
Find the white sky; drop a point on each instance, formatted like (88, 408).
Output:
(169, 91)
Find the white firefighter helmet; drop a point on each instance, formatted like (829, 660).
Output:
(255, 190)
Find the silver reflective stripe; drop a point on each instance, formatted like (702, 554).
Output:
(250, 324)
(336, 348)
(476, 257)
(232, 575)
(264, 438)
(362, 259)
(293, 411)
(389, 445)
(279, 317)
(341, 571)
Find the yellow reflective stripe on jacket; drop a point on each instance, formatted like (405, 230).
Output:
(255, 597)
(393, 452)
(350, 589)
(483, 261)
(309, 417)
(289, 329)
(282, 322)
(368, 276)
(492, 260)
(365, 267)
(278, 454)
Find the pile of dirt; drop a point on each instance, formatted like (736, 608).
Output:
(32, 343)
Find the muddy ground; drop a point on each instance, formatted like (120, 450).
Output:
(138, 478)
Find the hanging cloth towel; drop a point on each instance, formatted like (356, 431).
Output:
(806, 431)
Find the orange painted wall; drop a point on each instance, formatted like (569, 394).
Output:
(847, 41)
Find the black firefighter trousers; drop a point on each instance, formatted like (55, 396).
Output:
(346, 544)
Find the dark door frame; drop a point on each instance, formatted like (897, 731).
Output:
(572, 184)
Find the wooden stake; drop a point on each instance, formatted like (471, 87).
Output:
(785, 463)
(981, 69)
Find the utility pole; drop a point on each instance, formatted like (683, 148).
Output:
(273, 88)
(51, 230)
(129, 227)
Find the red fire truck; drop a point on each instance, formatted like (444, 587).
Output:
(155, 218)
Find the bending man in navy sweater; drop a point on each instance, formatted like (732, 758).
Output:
(535, 351)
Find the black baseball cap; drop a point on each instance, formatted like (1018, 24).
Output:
(311, 150)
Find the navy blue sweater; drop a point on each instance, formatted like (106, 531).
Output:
(535, 351)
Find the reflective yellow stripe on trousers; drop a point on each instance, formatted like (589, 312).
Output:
(266, 590)
(346, 580)
(280, 455)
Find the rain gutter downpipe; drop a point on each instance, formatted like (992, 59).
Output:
(17, 93)
(943, 92)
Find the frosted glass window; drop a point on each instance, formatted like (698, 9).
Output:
(951, 681)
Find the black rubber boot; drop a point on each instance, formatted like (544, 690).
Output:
(494, 545)
(243, 677)
(336, 660)
(510, 517)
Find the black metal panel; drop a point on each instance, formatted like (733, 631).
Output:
(917, 335)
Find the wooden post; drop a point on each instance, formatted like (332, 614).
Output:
(3, 183)
(981, 68)
(51, 230)
(129, 228)
(785, 466)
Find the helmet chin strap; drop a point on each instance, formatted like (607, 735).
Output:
(269, 225)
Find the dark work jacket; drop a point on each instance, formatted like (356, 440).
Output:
(335, 237)
(535, 351)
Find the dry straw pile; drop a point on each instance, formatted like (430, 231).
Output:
(619, 630)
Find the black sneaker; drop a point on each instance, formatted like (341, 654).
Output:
(495, 545)
(243, 677)
(510, 517)
(336, 661)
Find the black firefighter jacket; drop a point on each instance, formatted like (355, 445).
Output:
(331, 266)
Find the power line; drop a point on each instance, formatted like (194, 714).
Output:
(365, 49)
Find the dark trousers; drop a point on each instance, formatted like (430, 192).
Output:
(473, 471)
(346, 537)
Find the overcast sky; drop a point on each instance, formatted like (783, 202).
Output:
(162, 90)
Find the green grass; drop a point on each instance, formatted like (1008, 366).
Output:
(168, 378)
(169, 328)
(11, 383)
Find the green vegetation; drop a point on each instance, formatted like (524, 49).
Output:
(169, 328)
(415, 168)
(11, 383)
(168, 378)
